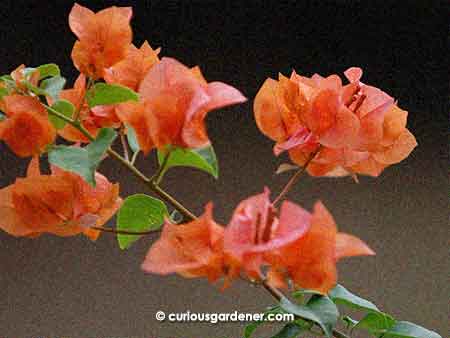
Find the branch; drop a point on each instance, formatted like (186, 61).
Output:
(296, 177)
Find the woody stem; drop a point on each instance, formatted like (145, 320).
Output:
(153, 186)
(294, 179)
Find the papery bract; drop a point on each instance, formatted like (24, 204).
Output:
(61, 204)
(103, 38)
(92, 119)
(130, 71)
(174, 104)
(358, 127)
(311, 260)
(257, 228)
(193, 249)
(26, 130)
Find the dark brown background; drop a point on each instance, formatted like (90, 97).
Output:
(55, 287)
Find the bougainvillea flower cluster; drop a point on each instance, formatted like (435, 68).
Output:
(355, 128)
(292, 243)
(128, 93)
(61, 204)
(174, 102)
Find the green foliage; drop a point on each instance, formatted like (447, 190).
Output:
(204, 159)
(319, 309)
(52, 86)
(290, 330)
(3, 92)
(48, 70)
(403, 329)
(104, 94)
(83, 161)
(341, 295)
(139, 213)
(250, 328)
(63, 107)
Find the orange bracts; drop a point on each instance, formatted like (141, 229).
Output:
(358, 127)
(26, 130)
(291, 242)
(130, 71)
(256, 229)
(174, 104)
(61, 204)
(91, 118)
(103, 38)
(310, 261)
(193, 249)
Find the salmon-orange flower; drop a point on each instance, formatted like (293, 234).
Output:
(192, 249)
(174, 104)
(26, 130)
(311, 260)
(256, 229)
(103, 38)
(130, 71)
(92, 119)
(354, 124)
(61, 204)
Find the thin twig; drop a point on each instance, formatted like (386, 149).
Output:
(123, 140)
(162, 168)
(124, 232)
(295, 178)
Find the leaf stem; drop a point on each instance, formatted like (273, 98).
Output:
(296, 177)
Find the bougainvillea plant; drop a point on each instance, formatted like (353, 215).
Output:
(329, 126)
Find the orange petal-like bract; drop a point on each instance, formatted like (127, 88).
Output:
(103, 38)
(92, 119)
(311, 260)
(61, 204)
(174, 104)
(358, 127)
(192, 249)
(26, 130)
(256, 229)
(130, 71)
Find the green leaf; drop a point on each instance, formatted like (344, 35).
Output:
(204, 159)
(139, 213)
(402, 329)
(250, 328)
(83, 161)
(48, 70)
(319, 309)
(3, 92)
(63, 107)
(341, 295)
(52, 86)
(290, 330)
(102, 94)
(2, 116)
(132, 139)
(376, 323)
(103, 141)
